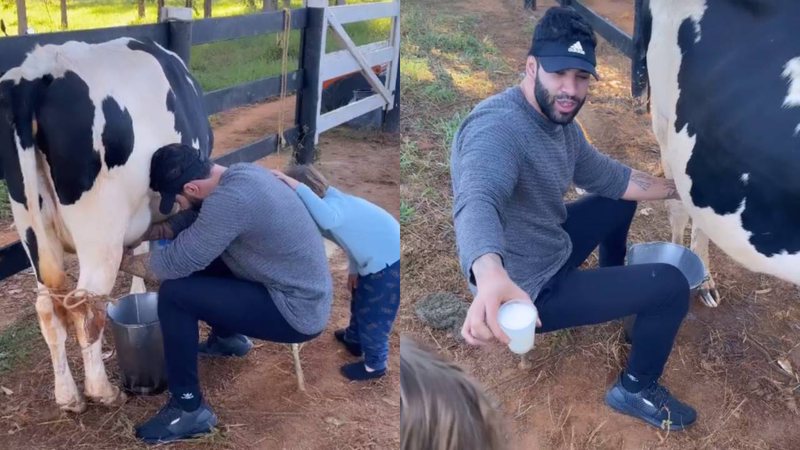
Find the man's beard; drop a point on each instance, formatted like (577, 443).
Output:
(547, 104)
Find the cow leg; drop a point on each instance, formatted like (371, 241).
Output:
(708, 290)
(678, 220)
(53, 326)
(98, 272)
(52, 317)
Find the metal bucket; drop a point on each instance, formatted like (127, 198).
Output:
(139, 344)
(675, 255)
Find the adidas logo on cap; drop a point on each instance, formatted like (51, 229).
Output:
(576, 48)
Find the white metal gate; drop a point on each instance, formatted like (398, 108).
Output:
(354, 58)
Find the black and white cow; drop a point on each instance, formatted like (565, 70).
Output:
(724, 79)
(78, 125)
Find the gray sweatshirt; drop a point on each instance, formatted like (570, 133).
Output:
(511, 168)
(264, 234)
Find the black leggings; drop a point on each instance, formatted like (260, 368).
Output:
(230, 305)
(658, 294)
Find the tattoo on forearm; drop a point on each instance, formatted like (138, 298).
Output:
(643, 180)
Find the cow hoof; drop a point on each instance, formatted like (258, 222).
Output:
(709, 297)
(116, 399)
(76, 406)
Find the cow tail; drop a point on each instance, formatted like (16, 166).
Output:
(47, 261)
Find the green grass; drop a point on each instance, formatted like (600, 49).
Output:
(44, 16)
(447, 63)
(216, 65)
(447, 128)
(5, 208)
(16, 343)
(408, 155)
(406, 213)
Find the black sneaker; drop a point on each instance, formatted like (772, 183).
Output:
(234, 345)
(653, 404)
(353, 347)
(172, 423)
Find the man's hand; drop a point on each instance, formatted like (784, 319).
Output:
(286, 179)
(643, 186)
(352, 281)
(156, 232)
(495, 287)
(137, 265)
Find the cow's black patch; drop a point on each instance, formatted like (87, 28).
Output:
(41, 203)
(33, 249)
(66, 115)
(117, 133)
(731, 99)
(191, 120)
(17, 103)
(8, 148)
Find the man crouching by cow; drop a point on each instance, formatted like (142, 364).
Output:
(245, 257)
(513, 159)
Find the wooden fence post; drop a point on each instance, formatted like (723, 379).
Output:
(180, 31)
(391, 120)
(308, 95)
(22, 18)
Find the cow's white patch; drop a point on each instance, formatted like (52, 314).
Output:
(745, 178)
(196, 143)
(792, 73)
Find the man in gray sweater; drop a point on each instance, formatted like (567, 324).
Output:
(246, 257)
(513, 159)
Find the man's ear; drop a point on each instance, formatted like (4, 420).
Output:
(530, 66)
(191, 188)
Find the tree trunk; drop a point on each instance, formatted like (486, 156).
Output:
(64, 24)
(341, 2)
(22, 18)
(141, 8)
(160, 6)
(207, 9)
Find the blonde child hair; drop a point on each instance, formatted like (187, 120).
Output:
(441, 407)
(310, 176)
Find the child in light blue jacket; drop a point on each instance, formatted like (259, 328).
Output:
(370, 237)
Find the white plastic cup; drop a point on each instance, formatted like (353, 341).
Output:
(517, 319)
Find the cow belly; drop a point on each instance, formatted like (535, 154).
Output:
(139, 222)
(727, 233)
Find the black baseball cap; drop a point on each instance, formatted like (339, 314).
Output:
(571, 46)
(171, 167)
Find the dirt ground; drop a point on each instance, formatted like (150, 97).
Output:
(724, 360)
(256, 398)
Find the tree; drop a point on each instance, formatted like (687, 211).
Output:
(207, 9)
(141, 8)
(64, 23)
(22, 18)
